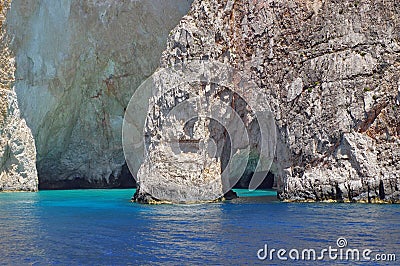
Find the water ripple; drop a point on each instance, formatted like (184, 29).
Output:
(102, 227)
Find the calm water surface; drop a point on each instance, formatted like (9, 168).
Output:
(101, 227)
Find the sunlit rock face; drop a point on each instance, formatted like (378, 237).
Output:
(78, 64)
(330, 72)
(179, 177)
(182, 160)
(178, 166)
(204, 122)
(17, 147)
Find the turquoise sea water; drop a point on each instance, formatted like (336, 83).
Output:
(102, 227)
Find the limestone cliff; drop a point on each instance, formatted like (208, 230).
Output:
(330, 71)
(203, 123)
(17, 148)
(78, 63)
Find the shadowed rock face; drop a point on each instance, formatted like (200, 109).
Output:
(17, 147)
(330, 71)
(78, 64)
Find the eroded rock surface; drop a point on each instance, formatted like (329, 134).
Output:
(17, 147)
(331, 73)
(193, 109)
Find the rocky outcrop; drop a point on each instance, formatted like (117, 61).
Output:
(330, 71)
(189, 118)
(17, 148)
(78, 64)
